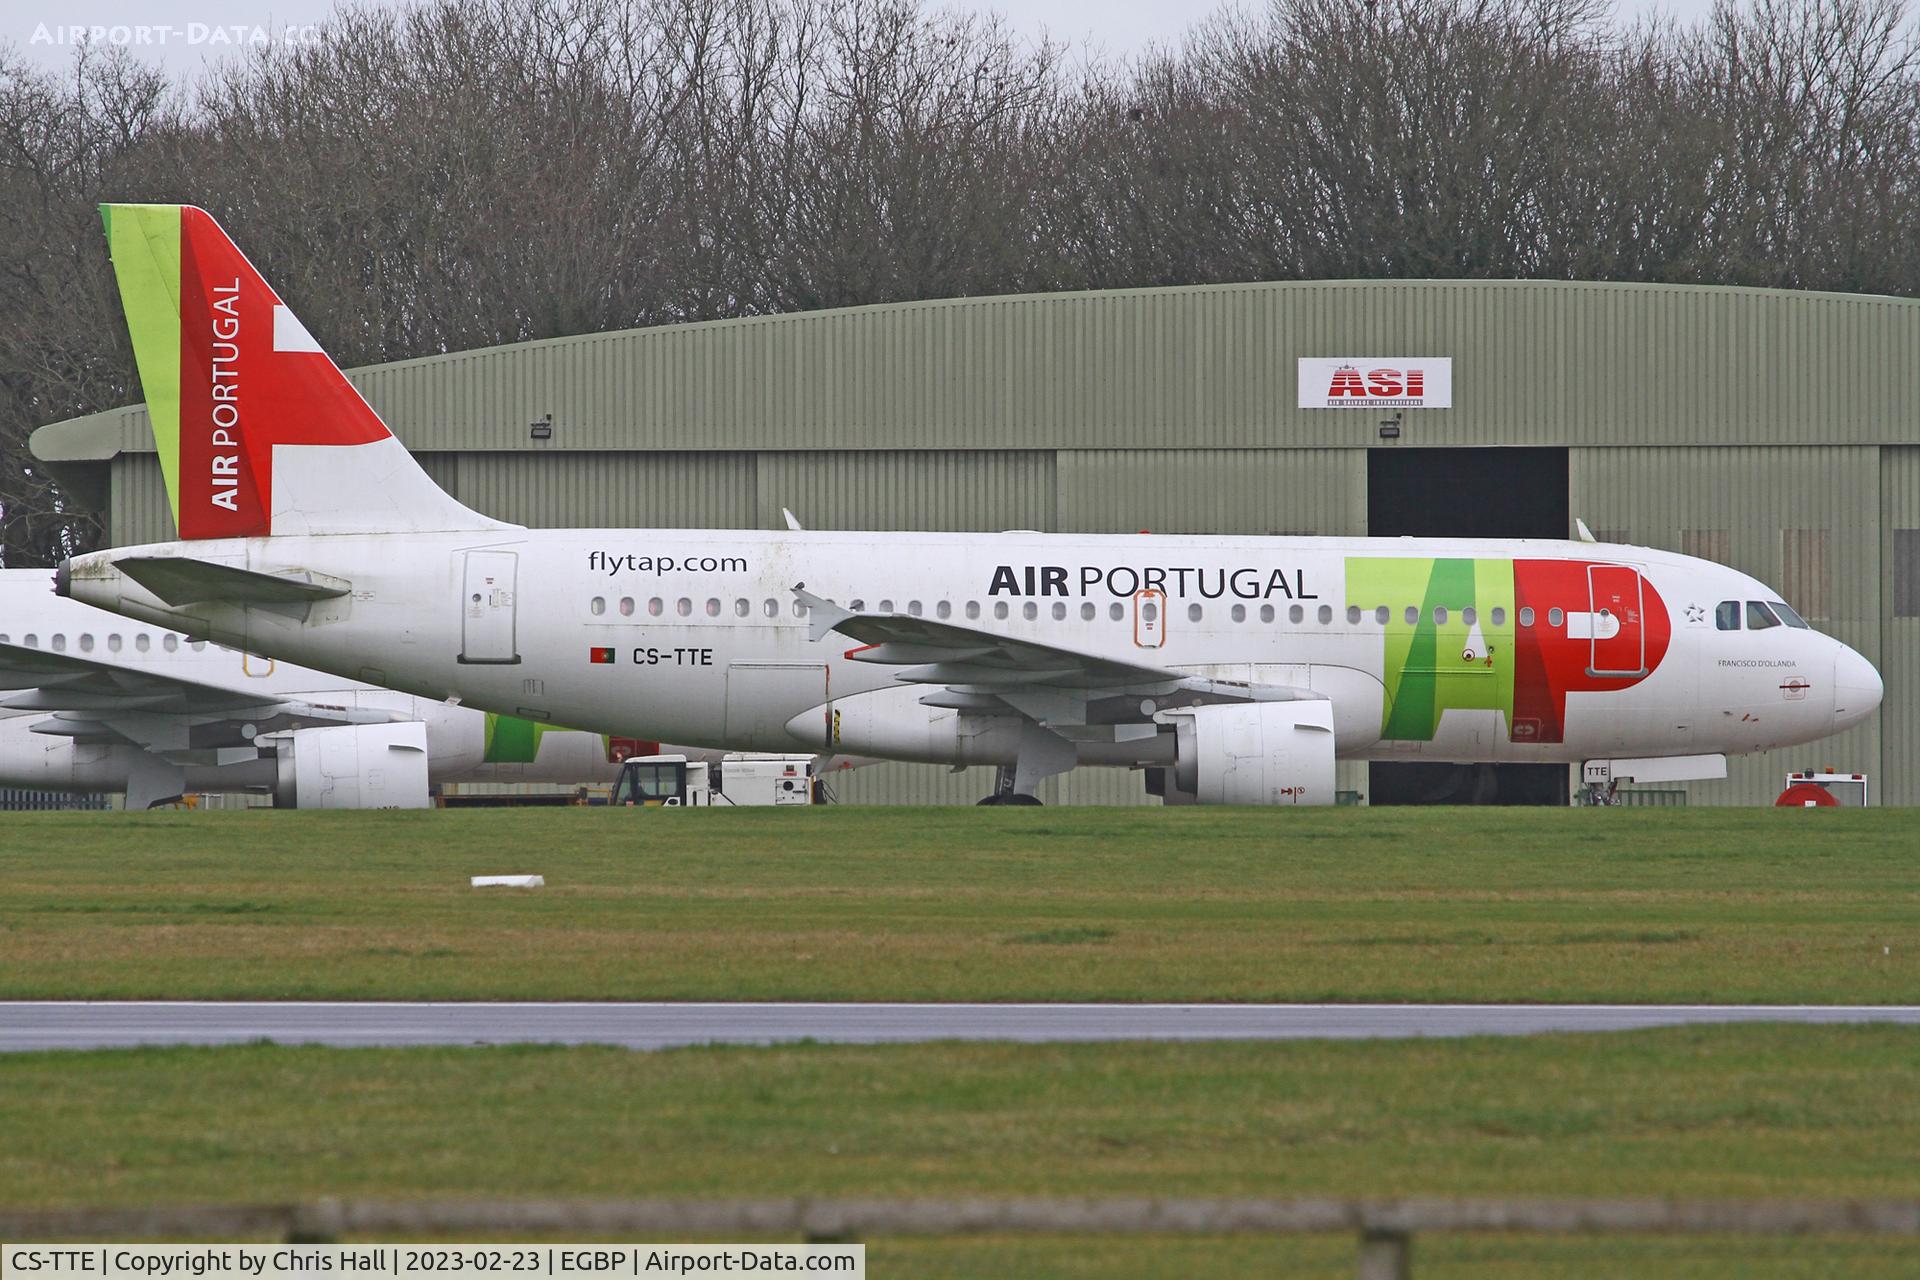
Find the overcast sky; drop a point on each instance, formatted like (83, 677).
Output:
(181, 33)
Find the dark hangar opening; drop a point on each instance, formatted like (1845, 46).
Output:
(1467, 493)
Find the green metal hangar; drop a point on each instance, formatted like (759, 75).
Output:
(1778, 432)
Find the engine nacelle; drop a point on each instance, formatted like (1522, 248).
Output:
(357, 766)
(1252, 753)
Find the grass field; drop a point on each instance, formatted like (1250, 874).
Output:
(1349, 904)
(1729, 1111)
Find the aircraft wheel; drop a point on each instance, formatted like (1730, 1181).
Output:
(1011, 797)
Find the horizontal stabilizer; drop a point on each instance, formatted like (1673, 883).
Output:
(179, 580)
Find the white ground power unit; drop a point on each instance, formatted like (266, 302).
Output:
(764, 780)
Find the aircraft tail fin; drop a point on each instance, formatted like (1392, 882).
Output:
(258, 431)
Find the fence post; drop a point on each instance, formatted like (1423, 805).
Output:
(1385, 1255)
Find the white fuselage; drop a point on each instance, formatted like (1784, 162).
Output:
(1509, 658)
(32, 617)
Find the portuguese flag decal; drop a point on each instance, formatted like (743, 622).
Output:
(600, 655)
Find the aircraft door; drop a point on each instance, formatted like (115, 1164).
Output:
(1150, 618)
(487, 632)
(1619, 621)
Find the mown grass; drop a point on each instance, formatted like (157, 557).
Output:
(1738, 1111)
(891, 904)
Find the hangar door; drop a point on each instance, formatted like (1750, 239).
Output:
(487, 625)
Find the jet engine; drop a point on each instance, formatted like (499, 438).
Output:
(356, 766)
(1250, 753)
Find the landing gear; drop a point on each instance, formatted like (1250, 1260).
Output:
(1003, 792)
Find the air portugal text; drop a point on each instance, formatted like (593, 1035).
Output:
(223, 478)
(1177, 582)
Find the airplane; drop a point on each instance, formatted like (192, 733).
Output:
(1228, 669)
(89, 703)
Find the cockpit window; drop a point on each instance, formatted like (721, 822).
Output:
(1727, 615)
(1759, 617)
(1787, 615)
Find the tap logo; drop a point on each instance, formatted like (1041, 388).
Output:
(1394, 382)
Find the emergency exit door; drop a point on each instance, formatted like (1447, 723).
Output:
(487, 629)
(1619, 631)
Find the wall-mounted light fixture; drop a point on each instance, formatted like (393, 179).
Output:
(1390, 427)
(541, 430)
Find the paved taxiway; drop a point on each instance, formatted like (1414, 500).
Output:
(109, 1024)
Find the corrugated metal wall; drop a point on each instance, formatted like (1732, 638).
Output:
(1899, 719)
(1537, 362)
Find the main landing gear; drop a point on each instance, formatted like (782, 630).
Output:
(1003, 792)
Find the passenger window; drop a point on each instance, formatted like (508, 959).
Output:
(1193, 612)
(32, 640)
(597, 606)
(1000, 609)
(1526, 616)
(1116, 611)
(742, 607)
(60, 642)
(683, 607)
(86, 642)
(1088, 613)
(1353, 614)
(771, 608)
(656, 606)
(1726, 615)
(1759, 617)
(140, 642)
(1059, 611)
(197, 645)
(1382, 615)
(944, 609)
(858, 606)
(799, 610)
(1787, 615)
(1499, 616)
(113, 642)
(1326, 614)
(1412, 615)
(973, 608)
(1556, 616)
(1029, 611)
(1440, 615)
(913, 608)
(1468, 616)
(626, 606)
(1149, 611)
(1238, 613)
(171, 643)
(886, 606)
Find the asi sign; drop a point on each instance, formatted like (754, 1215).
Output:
(1386, 382)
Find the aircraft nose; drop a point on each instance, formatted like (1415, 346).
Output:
(1856, 688)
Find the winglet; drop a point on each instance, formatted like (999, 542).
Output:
(1582, 532)
(822, 615)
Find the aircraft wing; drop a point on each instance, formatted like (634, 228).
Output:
(946, 653)
(979, 670)
(169, 716)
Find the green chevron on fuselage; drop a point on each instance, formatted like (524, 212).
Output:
(1430, 666)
